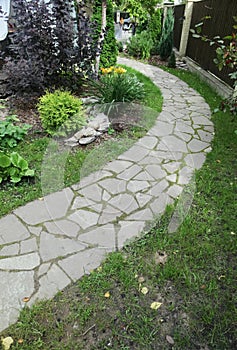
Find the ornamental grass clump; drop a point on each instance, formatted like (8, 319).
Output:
(116, 85)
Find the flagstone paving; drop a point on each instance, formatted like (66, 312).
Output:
(53, 241)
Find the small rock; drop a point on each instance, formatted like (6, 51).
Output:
(94, 124)
(104, 126)
(169, 339)
(72, 142)
(87, 140)
(88, 131)
(89, 100)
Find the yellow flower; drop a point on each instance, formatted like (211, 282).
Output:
(120, 70)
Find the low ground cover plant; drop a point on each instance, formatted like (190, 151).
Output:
(61, 109)
(10, 133)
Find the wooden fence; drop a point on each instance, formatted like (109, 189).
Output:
(178, 24)
(221, 23)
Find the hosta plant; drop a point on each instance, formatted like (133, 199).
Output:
(13, 167)
(11, 134)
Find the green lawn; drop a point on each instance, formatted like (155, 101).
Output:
(192, 273)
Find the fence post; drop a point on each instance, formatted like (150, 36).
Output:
(186, 27)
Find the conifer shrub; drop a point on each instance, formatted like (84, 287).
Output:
(109, 51)
(166, 42)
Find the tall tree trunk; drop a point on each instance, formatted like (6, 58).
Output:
(101, 36)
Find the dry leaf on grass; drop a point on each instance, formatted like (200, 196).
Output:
(155, 305)
(107, 295)
(169, 339)
(144, 290)
(160, 257)
(6, 343)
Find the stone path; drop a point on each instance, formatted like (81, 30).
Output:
(51, 242)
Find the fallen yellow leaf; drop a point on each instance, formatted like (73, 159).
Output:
(7, 342)
(155, 305)
(144, 290)
(107, 295)
(26, 299)
(141, 279)
(20, 341)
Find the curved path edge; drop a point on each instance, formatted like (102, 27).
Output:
(49, 243)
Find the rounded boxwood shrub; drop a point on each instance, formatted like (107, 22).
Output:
(61, 109)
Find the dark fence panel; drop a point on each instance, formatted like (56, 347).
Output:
(221, 23)
(178, 24)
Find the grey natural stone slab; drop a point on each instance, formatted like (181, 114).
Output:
(62, 227)
(148, 142)
(171, 178)
(43, 269)
(129, 230)
(172, 144)
(51, 207)
(130, 173)
(82, 263)
(103, 236)
(109, 214)
(143, 176)
(20, 262)
(197, 146)
(93, 192)
(143, 199)
(174, 191)
(84, 218)
(52, 247)
(135, 154)
(171, 167)
(118, 166)
(183, 127)
(135, 186)
(90, 179)
(12, 230)
(49, 284)
(161, 128)
(195, 160)
(8, 250)
(157, 189)
(35, 230)
(141, 215)
(183, 136)
(106, 196)
(28, 246)
(205, 136)
(113, 186)
(14, 286)
(155, 171)
(159, 204)
(81, 202)
(202, 121)
(185, 175)
(124, 202)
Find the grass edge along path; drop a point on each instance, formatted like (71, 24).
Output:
(190, 275)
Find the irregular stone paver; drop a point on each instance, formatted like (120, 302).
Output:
(47, 244)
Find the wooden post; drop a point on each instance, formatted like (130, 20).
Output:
(186, 27)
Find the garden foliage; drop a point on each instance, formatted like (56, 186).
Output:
(11, 134)
(61, 109)
(13, 166)
(226, 56)
(155, 29)
(109, 47)
(48, 45)
(140, 45)
(166, 41)
(116, 85)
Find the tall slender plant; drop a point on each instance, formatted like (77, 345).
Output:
(166, 42)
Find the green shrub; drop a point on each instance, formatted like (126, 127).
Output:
(120, 46)
(140, 45)
(11, 134)
(166, 42)
(172, 60)
(116, 85)
(109, 47)
(155, 28)
(13, 166)
(61, 109)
